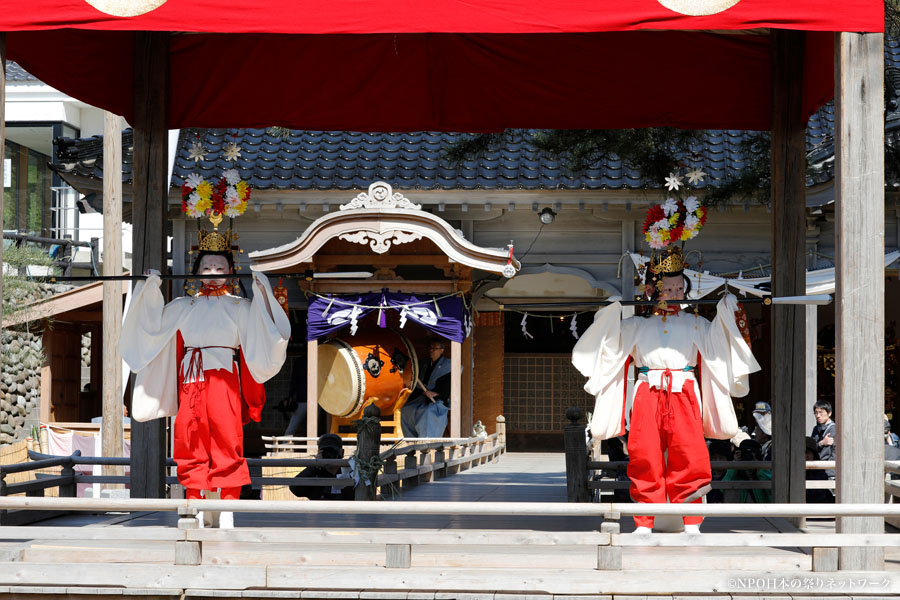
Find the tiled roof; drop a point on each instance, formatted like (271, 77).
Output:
(84, 156)
(16, 73)
(327, 160)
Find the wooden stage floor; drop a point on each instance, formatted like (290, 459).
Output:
(472, 572)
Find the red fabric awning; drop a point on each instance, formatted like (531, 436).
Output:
(440, 16)
(394, 65)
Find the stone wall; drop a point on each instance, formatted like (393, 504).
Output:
(20, 384)
(21, 358)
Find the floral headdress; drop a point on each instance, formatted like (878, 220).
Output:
(669, 225)
(224, 197)
(676, 219)
(228, 196)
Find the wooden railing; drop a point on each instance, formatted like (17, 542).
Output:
(584, 476)
(398, 467)
(399, 545)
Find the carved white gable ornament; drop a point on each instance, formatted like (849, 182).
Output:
(380, 242)
(380, 195)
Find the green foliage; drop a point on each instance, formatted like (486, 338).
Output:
(19, 289)
(653, 152)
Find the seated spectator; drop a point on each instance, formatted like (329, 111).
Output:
(762, 413)
(816, 496)
(750, 450)
(720, 451)
(890, 438)
(331, 446)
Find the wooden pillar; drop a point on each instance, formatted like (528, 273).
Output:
(859, 310)
(468, 383)
(151, 92)
(812, 365)
(312, 389)
(627, 280)
(179, 250)
(788, 267)
(47, 338)
(812, 330)
(455, 389)
(111, 431)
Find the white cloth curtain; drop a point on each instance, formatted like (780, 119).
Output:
(819, 281)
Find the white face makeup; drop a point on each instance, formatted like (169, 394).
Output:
(214, 264)
(673, 288)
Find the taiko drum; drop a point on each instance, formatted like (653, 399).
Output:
(376, 363)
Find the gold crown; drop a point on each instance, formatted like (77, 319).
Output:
(213, 241)
(670, 261)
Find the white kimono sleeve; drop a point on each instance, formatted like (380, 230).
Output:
(726, 363)
(264, 339)
(600, 355)
(148, 345)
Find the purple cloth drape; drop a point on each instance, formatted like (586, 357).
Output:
(446, 317)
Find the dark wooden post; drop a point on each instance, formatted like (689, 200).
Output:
(68, 489)
(576, 457)
(391, 488)
(151, 93)
(788, 267)
(859, 314)
(368, 447)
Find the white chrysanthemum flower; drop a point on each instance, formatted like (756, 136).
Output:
(670, 207)
(691, 222)
(695, 176)
(231, 193)
(193, 199)
(674, 182)
(193, 180)
(691, 204)
(662, 224)
(231, 176)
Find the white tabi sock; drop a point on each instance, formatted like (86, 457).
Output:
(226, 520)
(642, 531)
(692, 529)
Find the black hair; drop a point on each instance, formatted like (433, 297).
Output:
(720, 447)
(228, 256)
(750, 450)
(824, 405)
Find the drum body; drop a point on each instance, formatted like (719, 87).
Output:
(377, 363)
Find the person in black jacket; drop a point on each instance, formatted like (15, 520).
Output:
(824, 432)
(330, 447)
(425, 413)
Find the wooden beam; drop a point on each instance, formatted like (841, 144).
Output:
(312, 389)
(111, 432)
(455, 389)
(379, 260)
(151, 92)
(788, 266)
(46, 375)
(859, 310)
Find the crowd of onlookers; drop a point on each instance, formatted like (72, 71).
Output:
(756, 445)
(820, 446)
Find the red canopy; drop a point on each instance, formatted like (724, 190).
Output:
(483, 65)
